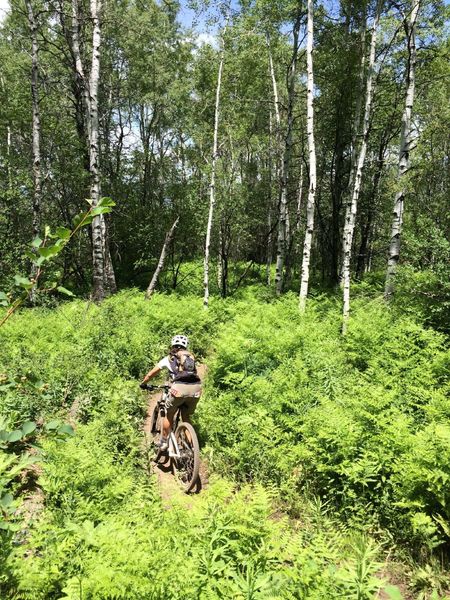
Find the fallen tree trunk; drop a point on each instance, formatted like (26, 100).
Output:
(162, 259)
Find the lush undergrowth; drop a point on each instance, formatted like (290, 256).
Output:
(348, 438)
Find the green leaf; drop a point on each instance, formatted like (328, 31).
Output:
(82, 217)
(100, 210)
(36, 242)
(105, 201)
(15, 436)
(50, 251)
(63, 233)
(47, 231)
(22, 282)
(52, 425)
(28, 427)
(3, 299)
(66, 429)
(6, 500)
(63, 290)
(39, 260)
(393, 592)
(30, 254)
(9, 526)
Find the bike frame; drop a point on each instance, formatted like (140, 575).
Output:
(173, 449)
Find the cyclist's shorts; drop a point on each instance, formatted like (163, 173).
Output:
(184, 395)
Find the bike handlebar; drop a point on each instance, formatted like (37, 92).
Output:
(151, 388)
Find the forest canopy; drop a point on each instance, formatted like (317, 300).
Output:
(312, 140)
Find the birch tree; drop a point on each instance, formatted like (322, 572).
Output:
(311, 203)
(409, 24)
(36, 130)
(274, 146)
(103, 274)
(283, 213)
(36, 120)
(212, 185)
(356, 179)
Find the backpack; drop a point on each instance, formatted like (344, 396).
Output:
(184, 367)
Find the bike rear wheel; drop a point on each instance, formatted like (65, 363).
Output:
(188, 463)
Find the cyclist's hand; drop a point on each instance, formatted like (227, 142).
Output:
(143, 386)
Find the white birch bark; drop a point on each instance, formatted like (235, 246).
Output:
(36, 132)
(269, 212)
(8, 143)
(352, 204)
(212, 185)
(276, 100)
(110, 278)
(311, 204)
(269, 247)
(298, 219)
(8, 156)
(36, 122)
(102, 269)
(219, 258)
(98, 228)
(404, 150)
(162, 259)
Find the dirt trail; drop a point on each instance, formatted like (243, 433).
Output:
(168, 486)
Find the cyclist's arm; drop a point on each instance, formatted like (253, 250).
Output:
(152, 373)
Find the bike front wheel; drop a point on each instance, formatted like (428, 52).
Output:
(156, 421)
(188, 462)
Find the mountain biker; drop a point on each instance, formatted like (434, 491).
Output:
(186, 385)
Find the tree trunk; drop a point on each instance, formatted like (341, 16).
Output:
(81, 81)
(283, 214)
(36, 133)
(8, 156)
(212, 198)
(409, 23)
(270, 202)
(310, 207)
(36, 123)
(352, 205)
(103, 273)
(162, 258)
(298, 220)
(367, 228)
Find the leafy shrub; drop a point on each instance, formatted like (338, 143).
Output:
(359, 422)
(293, 403)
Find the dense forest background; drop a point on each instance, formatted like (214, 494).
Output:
(275, 175)
(149, 94)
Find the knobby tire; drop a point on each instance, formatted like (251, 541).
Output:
(156, 426)
(160, 457)
(188, 464)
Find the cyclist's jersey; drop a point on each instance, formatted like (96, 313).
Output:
(165, 363)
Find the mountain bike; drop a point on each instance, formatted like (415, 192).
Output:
(183, 448)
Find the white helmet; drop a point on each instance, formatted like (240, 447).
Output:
(179, 340)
